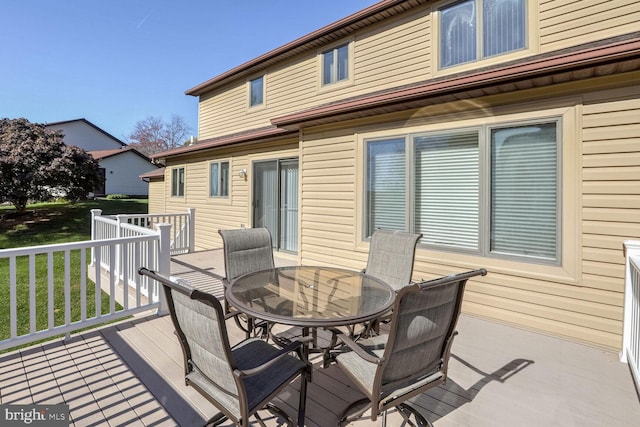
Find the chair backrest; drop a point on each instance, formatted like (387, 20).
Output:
(246, 250)
(200, 325)
(391, 256)
(422, 327)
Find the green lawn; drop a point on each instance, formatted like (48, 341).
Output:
(51, 223)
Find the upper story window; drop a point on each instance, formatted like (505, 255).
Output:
(472, 30)
(256, 91)
(492, 190)
(335, 64)
(177, 182)
(219, 179)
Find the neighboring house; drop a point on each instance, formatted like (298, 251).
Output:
(120, 166)
(509, 138)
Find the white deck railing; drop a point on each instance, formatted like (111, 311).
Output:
(63, 266)
(631, 332)
(182, 227)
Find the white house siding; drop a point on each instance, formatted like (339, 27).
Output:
(85, 136)
(122, 173)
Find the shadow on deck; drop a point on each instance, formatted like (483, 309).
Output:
(131, 374)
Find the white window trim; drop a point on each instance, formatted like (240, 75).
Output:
(532, 44)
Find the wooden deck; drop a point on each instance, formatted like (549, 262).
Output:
(131, 374)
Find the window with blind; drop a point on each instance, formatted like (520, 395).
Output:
(447, 189)
(386, 184)
(524, 190)
(219, 179)
(256, 91)
(177, 182)
(489, 190)
(335, 64)
(471, 30)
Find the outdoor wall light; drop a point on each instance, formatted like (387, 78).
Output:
(243, 174)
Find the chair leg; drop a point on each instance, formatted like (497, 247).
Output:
(302, 403)
(216, 420)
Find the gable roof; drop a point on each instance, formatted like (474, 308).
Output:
(103, 154)
(83, 120)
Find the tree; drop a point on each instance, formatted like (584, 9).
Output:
(77, 173)
(34, 162)
(153, 135)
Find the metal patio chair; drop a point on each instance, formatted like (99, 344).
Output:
(246, 250)
(413, 357)
(239, 380)
(391, 257)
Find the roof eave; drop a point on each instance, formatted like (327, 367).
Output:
(255, 135)
(509, 73)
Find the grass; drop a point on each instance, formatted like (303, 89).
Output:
(51, 223)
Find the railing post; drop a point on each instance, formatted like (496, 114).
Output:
(94, 214)
(118, 255)
(164, 262)
(631, 248)
(192, 229)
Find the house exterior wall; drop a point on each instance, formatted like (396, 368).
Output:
(401, 51)
(85, 136)
(214, 213)
(581, 296)
(157, 193)
(122, 172)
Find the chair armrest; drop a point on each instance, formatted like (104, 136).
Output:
(357, 348)
(293, 346)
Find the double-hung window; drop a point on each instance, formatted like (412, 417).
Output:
(335, 64)
(472, 30)
(256, 92)
(219, 179)
(177, 182)
(491, 190)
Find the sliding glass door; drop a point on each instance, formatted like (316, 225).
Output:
(275, 201)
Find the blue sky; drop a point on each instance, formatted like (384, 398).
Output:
(115, 62)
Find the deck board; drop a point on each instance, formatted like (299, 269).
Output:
(131, 373)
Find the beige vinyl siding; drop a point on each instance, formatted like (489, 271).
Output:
(384, 56)
(611, 190)
(587, 304)
(565, 23)
(328, 194)
(213, 213)
(156, 196)
(398, 52)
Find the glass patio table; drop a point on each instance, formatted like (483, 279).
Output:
(311, 297)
